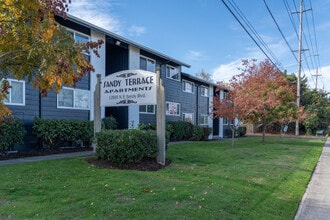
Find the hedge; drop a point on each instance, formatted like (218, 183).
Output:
(11, 132)
(109, 123)
(153, 127)
(240, 132)
(126, 146)
(54, 132)
(181, 130)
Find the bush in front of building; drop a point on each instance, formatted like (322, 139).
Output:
(109, 123)
(242, 131)
(198, 133)
(126, 146)
(153, 127)
(201, 133)
(11, 132)
(57, 132)
(181, 130)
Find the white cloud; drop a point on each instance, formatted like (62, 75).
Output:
(225, 72)
(96, 13)
(324, 79)
(135, 30)
(194, 55)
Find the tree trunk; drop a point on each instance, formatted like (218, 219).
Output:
(232, 137)
(263, 133)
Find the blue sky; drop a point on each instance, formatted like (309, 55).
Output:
(204, 34)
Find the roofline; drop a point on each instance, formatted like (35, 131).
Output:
(199, 79)
(124, 40)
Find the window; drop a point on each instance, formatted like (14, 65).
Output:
(147, 64)
(225, 121)
(73, 98)
(188, 86)
(148, 109)
(204, 91)
(172, 108)
(188, 117)
(172, 73)
(16, 94)
(79, 37)
(225, 95)
(203, 119)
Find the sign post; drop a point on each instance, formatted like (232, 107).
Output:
(97, 109)
(161, 124)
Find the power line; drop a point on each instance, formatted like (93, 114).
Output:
(311, 58)
(304, 37)
(279, 29)
(317, 60)
(241, 15)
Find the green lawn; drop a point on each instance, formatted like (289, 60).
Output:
(206, 180)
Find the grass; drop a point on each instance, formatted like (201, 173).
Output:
(206, 180)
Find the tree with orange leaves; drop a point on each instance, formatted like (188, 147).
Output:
(259, 95)
(224, 107)
(35, 47)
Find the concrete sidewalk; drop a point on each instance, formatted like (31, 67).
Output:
(315, 203)
(48, 157)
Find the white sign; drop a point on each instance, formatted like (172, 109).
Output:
(129, 87)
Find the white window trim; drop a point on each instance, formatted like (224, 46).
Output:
(179, 78)
(82, 34)
(207, 90)
(225, 119)
(203, 115)
(9, 97)
(75, 108)
(192, 116)
(147, 58)
(192, 86)
(179, 105)
(148, 113)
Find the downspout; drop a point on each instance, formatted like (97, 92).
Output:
(40, 107)
(197, 105)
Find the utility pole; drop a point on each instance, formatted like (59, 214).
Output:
(300, 50)
(316, 77)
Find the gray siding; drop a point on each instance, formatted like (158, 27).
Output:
(30, 110)
(147, 118)
(49, 109)
(190, 102)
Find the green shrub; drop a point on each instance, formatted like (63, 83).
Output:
(11, 132)
(241, 131)
(147, 126)
(227, 133)
(109, 123)
(54, 132)
(153, 127)
(182, 130)
(126, 146)
(207, 132)
(198, 133)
